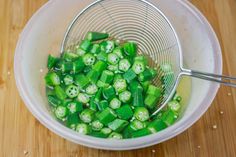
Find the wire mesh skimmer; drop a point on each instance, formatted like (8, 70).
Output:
(140, 21)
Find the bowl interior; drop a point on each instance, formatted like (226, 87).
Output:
(44, 34)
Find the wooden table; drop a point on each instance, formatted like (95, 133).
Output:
(214, 135)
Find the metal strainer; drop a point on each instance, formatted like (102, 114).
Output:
(140, 21)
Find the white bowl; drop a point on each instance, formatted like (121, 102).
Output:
(44, 32)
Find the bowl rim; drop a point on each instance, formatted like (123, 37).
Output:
(126, 144)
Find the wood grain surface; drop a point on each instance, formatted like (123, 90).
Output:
(214, 135)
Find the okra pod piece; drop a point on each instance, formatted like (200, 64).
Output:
(147, 75)
(151, 101)
(177, 97)
(78, 65)
(124, 65)
(107, 46)
(124, 112)
(93, 104)
(74, 107)
(145, 85)
(91, 89)
(69, 56)
(119, 51)
(106, 116)
(85, 45)
(102, 56)
(67, 67)
(107, 76)
(60, 93)
(125, 96)
(54, 101)
(87, 115)
(142, 59)
(102, 84)
(98, 96)
(95, 49)
(156, 125)
(141, 113)
(72, 91)
(97, 125)
(94, 36)
(61, 112)
(68, 80)
(130, 49)
(109, 93)
(137, 125)
(140, 133)
(100, 66)
(83, 98)
(113, 58)
(52, 79)
(138, 67)
(120, 85)
(115, 103)
(93, 76)
(113, 68)
(89, 59)
(169, 117)
(118, 125)
(81, 81)
(72, 121)
(52, 61)
(115, 135)
(133, 86)
(84, 129)
(102, 105)
(138, 97)
(174, 105)
(79, 51)
(129, 75)
(153, 90)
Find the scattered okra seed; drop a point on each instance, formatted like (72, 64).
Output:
(8, 73)
(221, 112)
(26, 152)
(198, 146)
(214, 126)
(229, 94)
(153, 150)
(41, 70)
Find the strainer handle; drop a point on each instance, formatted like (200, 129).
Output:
(222, 79)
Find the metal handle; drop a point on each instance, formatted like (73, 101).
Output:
(222, 79)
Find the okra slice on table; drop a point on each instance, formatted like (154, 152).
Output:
(106, 116)
(52, 79)
(125, 112)
(52, 61)
(118, 125)
(87, 115)
(94, 36)
(83, 128)
(141, 113)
